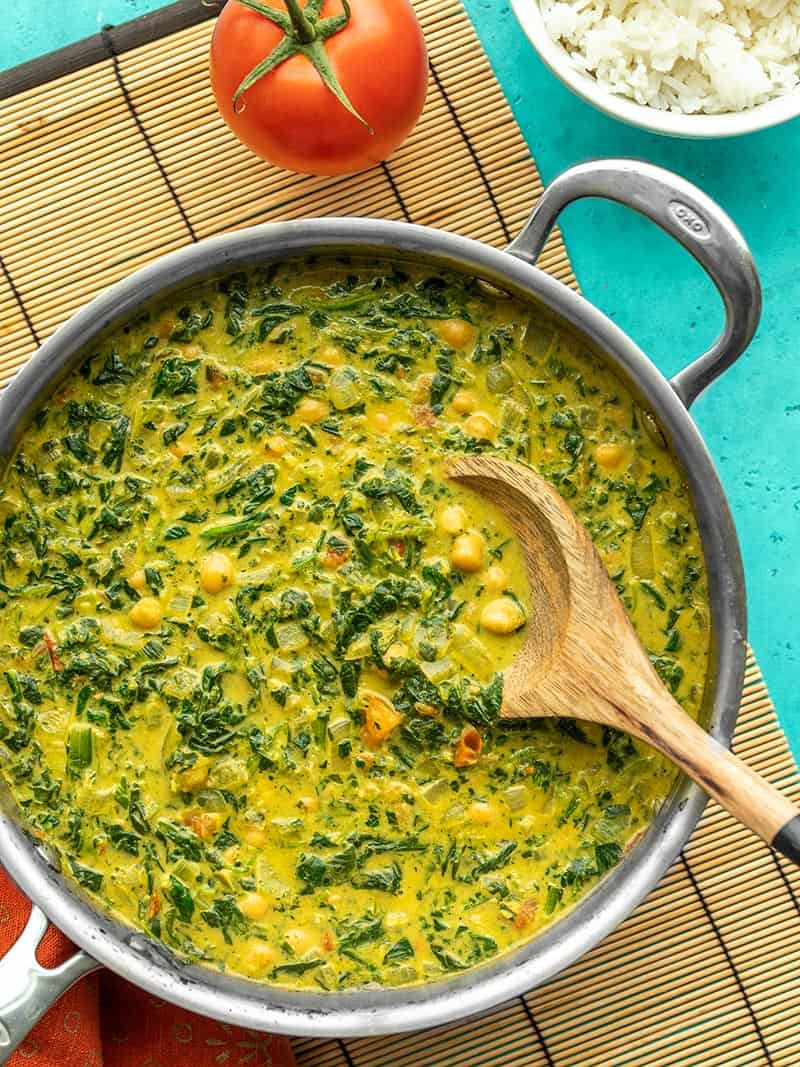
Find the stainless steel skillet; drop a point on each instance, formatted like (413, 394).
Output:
(26, 990)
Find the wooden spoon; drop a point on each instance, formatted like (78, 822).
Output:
(582, 658)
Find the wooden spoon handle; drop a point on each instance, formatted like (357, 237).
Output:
(735, 786)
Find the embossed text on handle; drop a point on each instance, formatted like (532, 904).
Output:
(690, 220)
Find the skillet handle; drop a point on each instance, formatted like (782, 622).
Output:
(689, 216)
(28, 990)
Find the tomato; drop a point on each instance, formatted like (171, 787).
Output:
(349, 91)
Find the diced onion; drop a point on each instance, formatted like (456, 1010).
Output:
(469, 651)
(499, 378)
(290, 636)
(121, 638)
(266, 881)
(339, 728)
(85, 604)
(438, 670)
(539, 338)
(181, 602)
(260, 576)
(322, 595)
(642, 560)
(516, 796)
(344, 389)
(492, 290)
(286, 826)
(587, 416)
(211, 799)
(186, 870)
(325, 976)
(180, 492)
(512, 415)
(281, 669)
(359, 648)
(435, 790)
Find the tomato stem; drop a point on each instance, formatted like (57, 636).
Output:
(303, 28)
(305, 34)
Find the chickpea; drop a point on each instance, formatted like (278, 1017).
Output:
(277, 445)
(138, 580)
(453, 519)
(255, 836)
(610, 455)
(253, 905)
(468, 552)
(216, 572)
(496, 578)
(480, 426)
(299, 940)
(456, 332)
(146, 614)
(380, 422)
(261, 364)
(465, 401)
(311, 411)
(482, 813)
(502, 616)
(332, 354)
(257, 957)
(193, 779)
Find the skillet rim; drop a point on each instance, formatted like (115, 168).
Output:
(382, 1010)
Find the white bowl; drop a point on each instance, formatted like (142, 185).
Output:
(673, 123)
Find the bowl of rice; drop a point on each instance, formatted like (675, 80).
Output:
(689, 68)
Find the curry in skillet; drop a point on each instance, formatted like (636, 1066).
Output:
(253, 641)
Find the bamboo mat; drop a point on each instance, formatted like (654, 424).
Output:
(107, 167)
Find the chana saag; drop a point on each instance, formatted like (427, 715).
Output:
(253, 641)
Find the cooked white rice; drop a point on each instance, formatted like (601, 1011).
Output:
(683, 55)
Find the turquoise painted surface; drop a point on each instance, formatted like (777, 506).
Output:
(37, 26)
(751, 418)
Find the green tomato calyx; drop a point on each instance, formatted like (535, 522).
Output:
(305, 34)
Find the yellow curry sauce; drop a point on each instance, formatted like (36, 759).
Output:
(252, 639)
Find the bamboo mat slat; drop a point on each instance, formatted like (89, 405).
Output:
(108, 167)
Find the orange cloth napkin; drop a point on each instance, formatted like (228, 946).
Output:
(104, 1021)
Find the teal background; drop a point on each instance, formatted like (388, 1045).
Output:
(650, 287)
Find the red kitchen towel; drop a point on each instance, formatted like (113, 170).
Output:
(104, 1021)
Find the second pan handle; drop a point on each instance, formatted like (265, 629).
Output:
(28, 990)
(688, 215)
